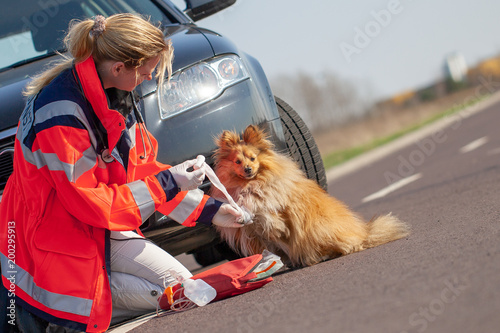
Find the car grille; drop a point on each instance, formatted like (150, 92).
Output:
(6, 161)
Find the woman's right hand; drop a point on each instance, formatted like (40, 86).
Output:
(187, 180)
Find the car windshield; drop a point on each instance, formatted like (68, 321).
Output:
(32, 29)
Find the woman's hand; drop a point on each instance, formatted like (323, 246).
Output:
(187, 180)
(227, 217)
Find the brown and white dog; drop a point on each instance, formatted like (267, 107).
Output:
(294, 217)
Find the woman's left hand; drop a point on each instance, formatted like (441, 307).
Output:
(227, 217)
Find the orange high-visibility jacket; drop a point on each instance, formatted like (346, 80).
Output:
(66, 193)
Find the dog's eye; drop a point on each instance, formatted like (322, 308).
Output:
(252, 159)
(238, 162)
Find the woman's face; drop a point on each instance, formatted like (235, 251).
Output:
(116, 75)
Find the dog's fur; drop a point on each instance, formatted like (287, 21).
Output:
(294, 217)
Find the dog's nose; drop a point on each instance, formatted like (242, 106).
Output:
(248, 170)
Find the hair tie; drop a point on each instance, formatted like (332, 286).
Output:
(99, 26)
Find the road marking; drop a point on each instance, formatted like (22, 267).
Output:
(474, 145)
(393, 187)
(124, 328)
(494, 151)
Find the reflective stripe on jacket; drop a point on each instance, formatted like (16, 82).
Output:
(66, 193)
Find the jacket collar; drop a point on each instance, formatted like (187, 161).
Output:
(112, 120)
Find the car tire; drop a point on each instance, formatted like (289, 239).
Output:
(214, 254)
(207, 256)
(300, 143)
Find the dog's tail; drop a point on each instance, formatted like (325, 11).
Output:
(384, 229)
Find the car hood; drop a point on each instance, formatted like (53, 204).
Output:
(190, 46)
(12, 83)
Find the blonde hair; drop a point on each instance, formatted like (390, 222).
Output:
(127, 38)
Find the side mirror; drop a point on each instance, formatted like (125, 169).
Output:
(199, 9)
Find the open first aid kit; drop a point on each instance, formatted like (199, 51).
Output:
(226, 280)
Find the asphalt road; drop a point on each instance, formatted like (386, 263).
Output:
(445, 277)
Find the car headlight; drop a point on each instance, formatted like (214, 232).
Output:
(200, 83)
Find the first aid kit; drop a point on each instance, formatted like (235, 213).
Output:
(226, 280)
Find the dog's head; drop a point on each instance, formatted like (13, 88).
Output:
(244, 155)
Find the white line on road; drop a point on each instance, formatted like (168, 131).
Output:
(132, 324)
(474, 145)
(393, 187)
(494, 151)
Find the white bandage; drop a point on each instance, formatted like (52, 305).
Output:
(201, 164)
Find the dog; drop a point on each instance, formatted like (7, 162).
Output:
(293, 216)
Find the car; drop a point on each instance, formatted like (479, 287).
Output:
(215, 86)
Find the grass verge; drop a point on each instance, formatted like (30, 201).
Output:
(341, 156)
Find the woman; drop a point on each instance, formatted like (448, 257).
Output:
(85, 176)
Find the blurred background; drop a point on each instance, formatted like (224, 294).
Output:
(367, 68)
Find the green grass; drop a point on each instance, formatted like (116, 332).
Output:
(341, 156)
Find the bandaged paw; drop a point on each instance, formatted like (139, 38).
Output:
(247, 217)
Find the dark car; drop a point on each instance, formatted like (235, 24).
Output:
(215, 86)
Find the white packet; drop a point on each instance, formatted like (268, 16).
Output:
(268, 265)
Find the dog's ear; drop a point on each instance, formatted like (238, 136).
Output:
(227, 140)
(256, 137)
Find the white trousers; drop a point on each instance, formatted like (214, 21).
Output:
(140, 270)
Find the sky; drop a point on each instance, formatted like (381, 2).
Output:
(391, 45)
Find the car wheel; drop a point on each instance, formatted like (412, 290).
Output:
(207, 256)
(214, 254)
(301, 144)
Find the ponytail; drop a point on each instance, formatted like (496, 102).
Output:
(122, 37)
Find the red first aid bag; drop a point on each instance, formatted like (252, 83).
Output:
(235, 277)
(229, 279)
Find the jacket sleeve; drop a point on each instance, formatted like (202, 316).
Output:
(62, 151)
(187, 207)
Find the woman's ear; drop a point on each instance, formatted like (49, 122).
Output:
(117, 68)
